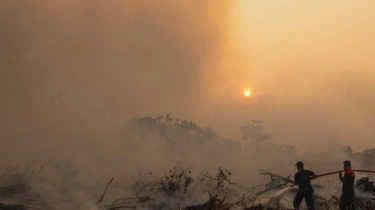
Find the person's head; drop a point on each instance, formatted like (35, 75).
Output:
(347, 164)
(299, 165)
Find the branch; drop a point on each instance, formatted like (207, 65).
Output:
(101, 198)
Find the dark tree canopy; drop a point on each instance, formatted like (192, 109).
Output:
(180, 134)
(255, 131)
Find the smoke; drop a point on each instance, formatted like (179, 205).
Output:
(72, 72)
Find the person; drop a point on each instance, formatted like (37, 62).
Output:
(346, 199)
(305, 190)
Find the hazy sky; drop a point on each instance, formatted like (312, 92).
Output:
(312, 63)
(73, 71)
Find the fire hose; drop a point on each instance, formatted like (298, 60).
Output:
(335, 172)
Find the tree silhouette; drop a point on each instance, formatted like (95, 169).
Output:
(255, 131)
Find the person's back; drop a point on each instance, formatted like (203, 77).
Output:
(305, 190)
(302, 179)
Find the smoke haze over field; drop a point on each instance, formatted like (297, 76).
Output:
(72, 72)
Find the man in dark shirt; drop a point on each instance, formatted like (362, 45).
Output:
(305, 190)
(346, 199)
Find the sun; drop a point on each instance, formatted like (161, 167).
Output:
(247, 93)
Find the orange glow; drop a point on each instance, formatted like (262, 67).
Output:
(247, 93)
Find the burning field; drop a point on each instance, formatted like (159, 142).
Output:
(201, 184)
(31, 188)
(87, 88)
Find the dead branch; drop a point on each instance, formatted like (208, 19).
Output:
(264, 191)
(101, 198)
(135, 195)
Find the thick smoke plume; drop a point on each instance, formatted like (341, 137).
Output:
(83, 85)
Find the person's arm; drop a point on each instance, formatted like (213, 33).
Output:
(342, 179)
(295, 179)
(313, 176)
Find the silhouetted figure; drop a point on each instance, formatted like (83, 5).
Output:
(305, 190)
(346, 199)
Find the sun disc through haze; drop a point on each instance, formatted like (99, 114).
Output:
(247, 93)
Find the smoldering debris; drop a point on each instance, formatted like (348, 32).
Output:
(176, 188)
(223, 175)
(43, 186)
